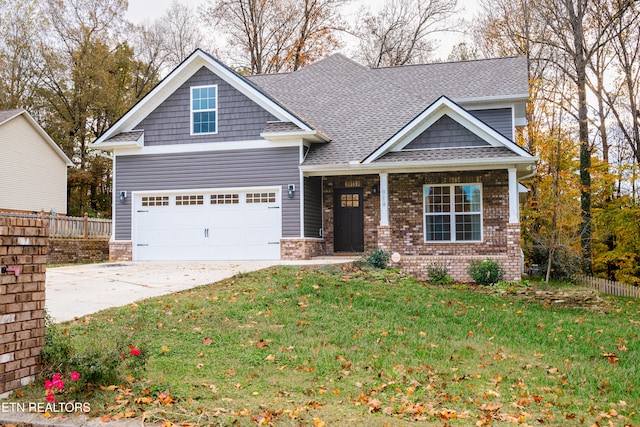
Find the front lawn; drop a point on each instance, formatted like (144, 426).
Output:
(340, 346)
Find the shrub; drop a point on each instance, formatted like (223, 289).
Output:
(438, 274)
(96, 361)
(377, 259)
(57, 348)
(485, 272)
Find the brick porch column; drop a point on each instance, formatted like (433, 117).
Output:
(384, 237)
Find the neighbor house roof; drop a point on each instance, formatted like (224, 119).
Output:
(360, 108)
(6, 115)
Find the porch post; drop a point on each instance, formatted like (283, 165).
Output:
(384, 199)
(514, 208)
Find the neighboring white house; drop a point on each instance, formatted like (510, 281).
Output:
(33, 169)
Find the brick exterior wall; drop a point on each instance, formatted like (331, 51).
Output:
(371, 207)
(23, 245)
(120, 251)
(64, 251)
(405, 234)
(293, 249)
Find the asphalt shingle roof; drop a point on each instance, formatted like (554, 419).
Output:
(126, 136)
(277, 127)
(7, 114)
(471, 153)
(360, 108)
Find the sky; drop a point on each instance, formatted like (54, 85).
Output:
(143, 10)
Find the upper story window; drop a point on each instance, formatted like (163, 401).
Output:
(204, 109)
(453, 213)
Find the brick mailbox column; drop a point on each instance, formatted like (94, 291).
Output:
(23, 255)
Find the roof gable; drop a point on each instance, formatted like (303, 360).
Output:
(181, 75)
(360, 108)
(445, 133)
(7, 115)
(430, 116)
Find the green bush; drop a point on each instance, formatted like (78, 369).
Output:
(485, 272)
(438, 274)
(377, 259)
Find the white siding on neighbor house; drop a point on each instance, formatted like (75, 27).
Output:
(33, 177)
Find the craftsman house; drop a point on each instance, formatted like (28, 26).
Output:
(335, 158)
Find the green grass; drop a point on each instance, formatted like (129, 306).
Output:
(341, 346)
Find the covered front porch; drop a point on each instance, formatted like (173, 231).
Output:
(361, 213)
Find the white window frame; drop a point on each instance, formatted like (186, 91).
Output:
(205, 110)
(452, 213)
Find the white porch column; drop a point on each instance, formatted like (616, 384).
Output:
(384, 199)
(514, 207)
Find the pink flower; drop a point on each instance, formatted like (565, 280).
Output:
(51, 397)
(75, 376)
(48, 384)
(134, 351)
(55, 377)
(123, 356)
(58, 384)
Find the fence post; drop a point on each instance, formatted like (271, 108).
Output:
(86, 225)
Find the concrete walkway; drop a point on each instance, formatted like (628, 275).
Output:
(79, 290)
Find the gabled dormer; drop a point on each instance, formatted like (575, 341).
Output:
(200, 102)
(446, 125)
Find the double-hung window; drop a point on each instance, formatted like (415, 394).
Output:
(204, 109)
(453, 213)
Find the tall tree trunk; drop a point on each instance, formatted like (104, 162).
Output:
(577, 12)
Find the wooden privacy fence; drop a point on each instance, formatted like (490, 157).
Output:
(609, 287)
(71, 226)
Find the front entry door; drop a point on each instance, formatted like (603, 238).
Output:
(349, 220)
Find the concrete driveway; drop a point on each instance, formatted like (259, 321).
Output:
(79, 290)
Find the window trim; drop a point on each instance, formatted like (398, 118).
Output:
(192, 111)
(452, 213)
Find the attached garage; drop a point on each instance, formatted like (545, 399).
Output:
(215, 224)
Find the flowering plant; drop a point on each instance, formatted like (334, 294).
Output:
(56, 385)
(134, 351)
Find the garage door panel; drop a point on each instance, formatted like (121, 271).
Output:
(208, 226)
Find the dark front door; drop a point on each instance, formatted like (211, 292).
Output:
(349, 220)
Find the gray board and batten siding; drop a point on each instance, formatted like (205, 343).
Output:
(239, 118)
(203, 170)
(313, 206)
(447, 133)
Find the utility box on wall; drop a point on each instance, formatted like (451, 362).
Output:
(23, 257)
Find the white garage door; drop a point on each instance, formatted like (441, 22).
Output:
(207, 225)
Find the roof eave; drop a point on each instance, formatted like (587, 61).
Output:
(493, 99)
(311, 136)
(44, 135)
(523, 164)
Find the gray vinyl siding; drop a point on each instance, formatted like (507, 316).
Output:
(203, 170)
(239, 118)
(446, 133)
(312, 206)
(500, 119)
